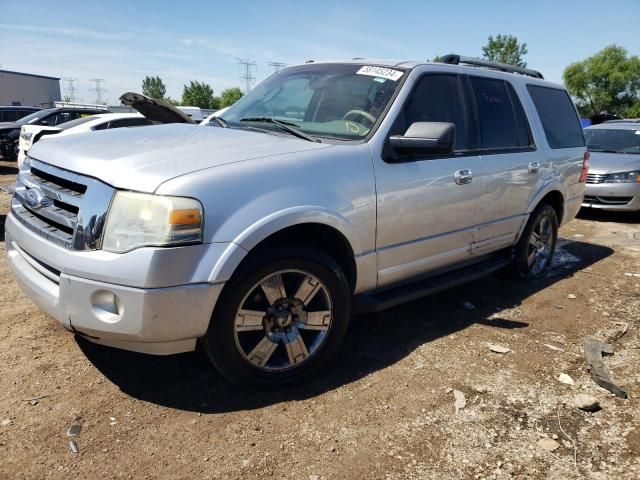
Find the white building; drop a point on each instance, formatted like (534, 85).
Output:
(27, 89)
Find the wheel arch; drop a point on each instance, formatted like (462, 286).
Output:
(320, 229)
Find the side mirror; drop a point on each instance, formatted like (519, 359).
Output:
(425, 138)
(44, 122)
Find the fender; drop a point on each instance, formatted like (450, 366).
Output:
(257, 232)
(552, 185)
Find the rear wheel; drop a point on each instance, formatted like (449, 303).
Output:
(534, 251)
(281, 317)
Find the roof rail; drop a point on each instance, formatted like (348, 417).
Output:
(453, 59)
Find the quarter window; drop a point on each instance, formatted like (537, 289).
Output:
(558, 116)
(501, 118)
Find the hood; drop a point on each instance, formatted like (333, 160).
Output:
(155, 110)
(142, 158)
(613, 162)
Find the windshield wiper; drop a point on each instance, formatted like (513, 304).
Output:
(221, 122)
(290, 127)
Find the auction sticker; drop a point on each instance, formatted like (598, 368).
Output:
(388, 73)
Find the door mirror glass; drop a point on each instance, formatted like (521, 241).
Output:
(425, 138)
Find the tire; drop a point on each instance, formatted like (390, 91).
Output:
(305, 337)
(534, 251)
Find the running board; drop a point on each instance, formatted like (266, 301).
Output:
(382, 300)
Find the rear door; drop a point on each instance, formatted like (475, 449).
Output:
(511, 165)
(425, 217)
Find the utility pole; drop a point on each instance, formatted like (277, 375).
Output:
(98, 89)
(71, 88)
(247, 78)
(276, 66)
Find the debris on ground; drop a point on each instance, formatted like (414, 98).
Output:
(74, 430)
(566, 379)
(549, 444)
(498, 348)
(7, 189)
(630, 274)
(468, 306)
(553, 347)
(572, 296)
(6, 422)
(461, 400)
(587, 403)
(73, 446)
(593, 351)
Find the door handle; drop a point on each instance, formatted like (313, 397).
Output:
(464, 176)
(534, 167)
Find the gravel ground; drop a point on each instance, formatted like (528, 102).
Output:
(385, 409)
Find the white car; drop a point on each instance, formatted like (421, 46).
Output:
(30, 134)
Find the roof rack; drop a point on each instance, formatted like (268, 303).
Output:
(453, 59)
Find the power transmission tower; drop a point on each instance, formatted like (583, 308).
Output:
(71, 88)
(98, 89)
(277, 66)
(247, 78)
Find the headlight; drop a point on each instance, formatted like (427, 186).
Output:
(26, 136)
(624, 177)
(140, 219)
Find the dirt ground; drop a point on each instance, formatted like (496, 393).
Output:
(385, 410)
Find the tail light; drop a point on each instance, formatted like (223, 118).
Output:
(584, 171)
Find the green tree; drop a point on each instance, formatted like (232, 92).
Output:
(230, 96)
(199, 94)
(153, 87)
(608, 81)
(505, 49)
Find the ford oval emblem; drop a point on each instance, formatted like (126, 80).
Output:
(34, 198)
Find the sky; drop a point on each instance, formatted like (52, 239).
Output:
(122, 41)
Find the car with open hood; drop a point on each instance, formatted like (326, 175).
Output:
(331, 187)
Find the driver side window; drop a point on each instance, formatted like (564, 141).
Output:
(436, 98)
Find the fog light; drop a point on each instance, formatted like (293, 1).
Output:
(106, 306)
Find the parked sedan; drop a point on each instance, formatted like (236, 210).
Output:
(613, 182)
(10, 131)
(30, 134)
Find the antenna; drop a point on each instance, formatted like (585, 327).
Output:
(276, 66)
(71, 88)
(98, 89)
(247, 78)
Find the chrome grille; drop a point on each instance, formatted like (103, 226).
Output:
(607, 200)
(596, 177)
(66, 208)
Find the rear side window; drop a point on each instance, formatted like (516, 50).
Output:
(501, 118)
(558, 116)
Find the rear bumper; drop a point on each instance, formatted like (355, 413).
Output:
(613, 196)
(160, 321)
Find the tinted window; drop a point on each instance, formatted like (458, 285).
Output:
(613, 140)
(437, 98)
(558, 116)
(502, 122)
(128, 122)
(12, 115)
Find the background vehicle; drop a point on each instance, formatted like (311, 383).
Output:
(193, 112)
(11, 113)
(613, 182)
(329, 185)
(10, 131)
(30, 134)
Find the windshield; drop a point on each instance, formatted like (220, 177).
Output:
(34, 117)
(339, 101)
(613, 140)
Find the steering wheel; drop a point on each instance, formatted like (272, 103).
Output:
(351, 114)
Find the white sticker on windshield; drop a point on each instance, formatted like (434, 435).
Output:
(388, 73)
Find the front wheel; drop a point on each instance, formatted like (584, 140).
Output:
(534, 251)
(281, 317)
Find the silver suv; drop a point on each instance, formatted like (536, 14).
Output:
(329, 188)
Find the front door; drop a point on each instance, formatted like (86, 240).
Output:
(427, 206)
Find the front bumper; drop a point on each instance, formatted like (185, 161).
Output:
(612, 196)
(156, 319)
